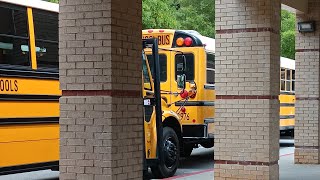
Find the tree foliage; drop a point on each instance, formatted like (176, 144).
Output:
(199, 15)
(54, 1)
(179, 14)
(288, 44)
(288, 22)
(158, 14)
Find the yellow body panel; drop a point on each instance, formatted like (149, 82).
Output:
(287, 111)
(28, 144)
(285, 98)
(27, 86)
(287, 122)
(29, 109)
(150, 135)
(284, 111)
(20, 133)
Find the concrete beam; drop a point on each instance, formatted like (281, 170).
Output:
(300, 5)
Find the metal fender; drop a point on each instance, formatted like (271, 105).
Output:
(168, 113)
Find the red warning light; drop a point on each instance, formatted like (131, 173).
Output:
(188, 41)
(184, 94)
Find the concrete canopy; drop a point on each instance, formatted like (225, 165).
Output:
(300, 5)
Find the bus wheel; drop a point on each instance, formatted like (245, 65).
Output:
(187, 150)
(171, 154)
(208, 144)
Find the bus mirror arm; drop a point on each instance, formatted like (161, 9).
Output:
(170, 93)
(149, 93)
(185, 100)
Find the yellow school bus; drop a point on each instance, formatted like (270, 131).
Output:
(198, 118)
(29, 86)
(197, 112)
(287, 96)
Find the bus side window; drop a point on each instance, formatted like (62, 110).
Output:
(210, 68)
(293, 80)
(14, 38)
(288, 80)
(163, 66)
(189, 71)
(46, 34)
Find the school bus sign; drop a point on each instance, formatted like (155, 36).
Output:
(165, 38)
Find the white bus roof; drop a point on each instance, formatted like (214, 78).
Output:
(209, 43)
(37, 4)
(287, 63)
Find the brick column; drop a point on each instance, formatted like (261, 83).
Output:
(307, 90)
(100, 77)
(247, 86)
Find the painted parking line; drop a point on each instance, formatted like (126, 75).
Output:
(210, 170)
(289, 154)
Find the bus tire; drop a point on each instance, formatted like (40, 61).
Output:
(168, 166)
(55, 168)
(208, 144)
(187, 150)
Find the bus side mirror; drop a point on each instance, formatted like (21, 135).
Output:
(181, 81)
(182, 64)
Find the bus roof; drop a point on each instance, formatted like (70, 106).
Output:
(37, 4)
(287, 63)
(209, 43)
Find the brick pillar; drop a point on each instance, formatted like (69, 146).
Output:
(307, 90)
(100, 77)
(247, 86)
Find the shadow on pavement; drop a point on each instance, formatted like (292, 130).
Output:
(200, 159)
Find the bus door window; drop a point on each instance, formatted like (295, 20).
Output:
(189, 71)
(163, 66)
(46, 34)
(14, 38)
(146, 78)
(282, 79)
(210, 68)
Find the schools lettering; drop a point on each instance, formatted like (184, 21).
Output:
(8, 85)
(147, 37)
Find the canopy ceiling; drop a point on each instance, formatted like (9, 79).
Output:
(300, 5)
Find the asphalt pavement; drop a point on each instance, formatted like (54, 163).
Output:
(200, 166)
